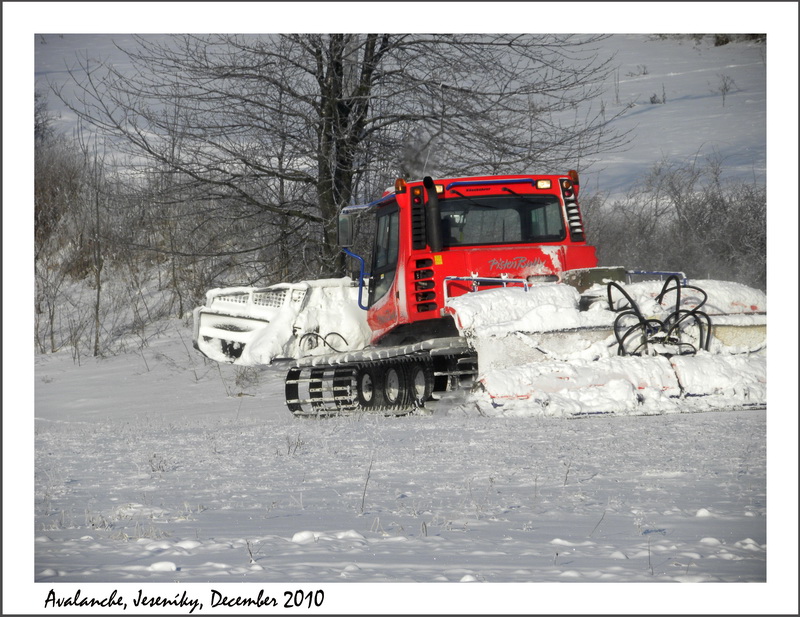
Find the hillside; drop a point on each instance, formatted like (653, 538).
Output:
(684, 77)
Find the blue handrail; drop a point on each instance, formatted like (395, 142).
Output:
(361, 276)
(683, 278)
(372, 204)
(478, 182)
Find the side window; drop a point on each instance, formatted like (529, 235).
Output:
(386, 239)
(546, 222)
(384, 256)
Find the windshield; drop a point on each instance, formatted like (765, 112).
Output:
(501, 219)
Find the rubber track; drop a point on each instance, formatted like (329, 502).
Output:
(330, 390)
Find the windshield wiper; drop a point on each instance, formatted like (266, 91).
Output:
(470, 199)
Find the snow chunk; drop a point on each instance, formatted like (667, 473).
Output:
(568, 388)
(542, 308)
(163, 566)
(305, 537)
(507, 304)
(742, 376)
(350, 535)
(158, 546)
(560, 542)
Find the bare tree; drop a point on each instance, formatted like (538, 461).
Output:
(42, 118)
(271, 135)
(686, 216)
(724, 86)
(95, 206)
(58, 173)
(58, 185)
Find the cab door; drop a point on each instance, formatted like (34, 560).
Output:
(383, 306)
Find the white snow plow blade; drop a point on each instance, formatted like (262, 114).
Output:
(627, 385)
(252, 326)
(538, 348)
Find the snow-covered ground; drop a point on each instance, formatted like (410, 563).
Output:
(159, 467)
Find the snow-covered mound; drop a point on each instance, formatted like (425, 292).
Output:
(541, 308)
(329, 320)
(539, 347)
(624, 386)
(255, 326)
(551, 307)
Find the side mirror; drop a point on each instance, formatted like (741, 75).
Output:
(345, 230)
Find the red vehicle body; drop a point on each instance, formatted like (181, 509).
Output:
(445, 237)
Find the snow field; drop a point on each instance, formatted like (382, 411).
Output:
(189, 484)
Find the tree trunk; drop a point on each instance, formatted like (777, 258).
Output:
(98, 266)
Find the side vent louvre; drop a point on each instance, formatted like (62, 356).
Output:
(418, 239)
(424, 294)
(574, 221)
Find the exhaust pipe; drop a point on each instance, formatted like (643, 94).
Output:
(433, 216)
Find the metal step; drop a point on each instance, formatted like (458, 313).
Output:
(328, 399)
(453, 373)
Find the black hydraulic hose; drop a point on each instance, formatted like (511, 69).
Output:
(324, 339)
(679, 315)
(656, 331)
(701, 319)
(648, 327)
